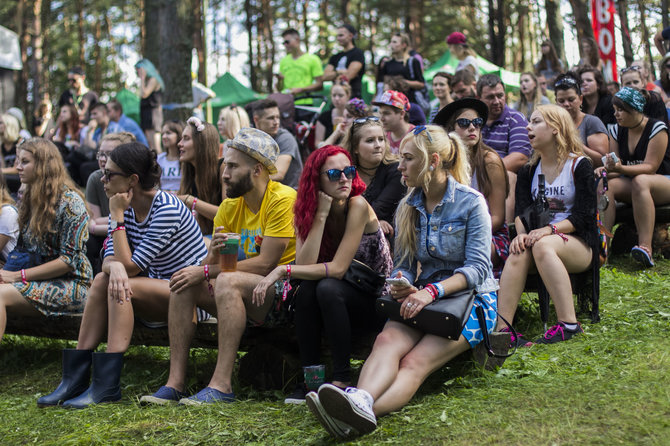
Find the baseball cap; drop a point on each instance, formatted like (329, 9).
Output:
(456, 38)
(394, 99)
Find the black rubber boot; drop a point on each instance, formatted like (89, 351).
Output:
(76, 375)
(105, 386)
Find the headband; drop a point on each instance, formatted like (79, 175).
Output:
(197, 123)
(632, 97)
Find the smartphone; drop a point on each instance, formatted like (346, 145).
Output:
(612, 155)
(398, 281)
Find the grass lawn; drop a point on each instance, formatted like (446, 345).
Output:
(609, 386)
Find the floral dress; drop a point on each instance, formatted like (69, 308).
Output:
(65, 294)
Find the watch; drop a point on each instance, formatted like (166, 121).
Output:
(113, 224)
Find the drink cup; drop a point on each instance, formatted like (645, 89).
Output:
(228, 253)
(315, 375)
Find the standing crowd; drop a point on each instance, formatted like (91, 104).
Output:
(438, 207)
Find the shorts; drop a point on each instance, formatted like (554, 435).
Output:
(151, 118)
(501, 243)
(471, 330)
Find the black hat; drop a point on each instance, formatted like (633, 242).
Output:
(444, 115)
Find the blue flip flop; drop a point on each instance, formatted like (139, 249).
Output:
(642, 256)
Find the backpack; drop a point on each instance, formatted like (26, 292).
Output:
(421, 96)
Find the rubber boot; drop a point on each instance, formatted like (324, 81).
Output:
(76, 375)
(105, 386)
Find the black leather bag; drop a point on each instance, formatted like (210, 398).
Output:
(443, 317)
(364, 278)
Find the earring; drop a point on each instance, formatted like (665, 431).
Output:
(431, 168)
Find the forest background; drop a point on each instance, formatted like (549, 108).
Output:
(189, 39)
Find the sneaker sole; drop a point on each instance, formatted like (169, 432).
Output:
(642, 257)
(150, 400)
(336, 403)
(294, 401)
(332, 426)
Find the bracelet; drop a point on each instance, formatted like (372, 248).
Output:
(209, 284)
(325, 265)
(193, 211)
(440, 289)
(23, 277)
(431, 290)
(287, 283)
(118, 228)
(554, 230)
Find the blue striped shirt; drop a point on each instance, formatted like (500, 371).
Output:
(508, 133)
(168, 239)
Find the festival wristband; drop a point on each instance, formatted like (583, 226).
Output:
(118, 228)
(23, 277)
(440, 289)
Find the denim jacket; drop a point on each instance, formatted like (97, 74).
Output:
(456, 239)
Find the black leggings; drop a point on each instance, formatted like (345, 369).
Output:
(333, 306)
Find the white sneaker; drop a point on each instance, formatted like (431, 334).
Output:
(334, 427)
(351, 406)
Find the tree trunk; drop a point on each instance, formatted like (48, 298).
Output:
(21, 97)
(152, 32)
(199, 41)
(249, 25)
(36, 63)
(645, 39)
(97, 56)
(304, 26)
(555, 25)
(580, 9)
(79, 5)
(664, 13)
(414, 23)
(622, 8)
(176, 37)
(45, 60)
(344, 11)
(522, 30)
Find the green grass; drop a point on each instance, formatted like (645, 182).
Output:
(609, 386)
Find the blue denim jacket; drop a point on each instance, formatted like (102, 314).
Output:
(457, 239)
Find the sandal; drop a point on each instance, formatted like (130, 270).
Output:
(643, 255)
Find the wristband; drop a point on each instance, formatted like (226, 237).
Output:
(325, 265)
(209, 284)
(431, 290)
(287, 283)
(118, 228)
(440, 289)
(554, 230)
(193, 211)
(23, 277)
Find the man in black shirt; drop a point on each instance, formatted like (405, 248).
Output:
(349, 64)
(78, 94)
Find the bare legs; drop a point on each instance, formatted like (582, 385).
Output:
(13, 302)
(646, 192)
(401, 359)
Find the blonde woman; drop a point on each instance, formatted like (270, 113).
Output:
(467, 58)
(54, 224)
(435, 167)
(231, 120)
(402, 64)
(531, 95)
(566, 244)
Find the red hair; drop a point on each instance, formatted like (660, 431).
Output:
(70, 127)
(308, 194)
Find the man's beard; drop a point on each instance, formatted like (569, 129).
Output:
(239, 188)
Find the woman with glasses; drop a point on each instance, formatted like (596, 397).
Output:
(640, 175)
(356, 108)
(489, 176)
(53, 225)
(334, 225)
(200, 189)
(591, 129)
(377, 167)
(151, 236)
(443, 226)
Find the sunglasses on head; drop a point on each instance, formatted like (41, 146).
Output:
(633, 68)
(335, 174)
(464, 123)
(420, 128)
(365, 119)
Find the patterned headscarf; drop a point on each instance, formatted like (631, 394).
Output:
(632, 97)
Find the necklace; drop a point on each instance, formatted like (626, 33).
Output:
(638, 124)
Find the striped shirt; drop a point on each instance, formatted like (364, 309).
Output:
(508, 133)
(168, 239)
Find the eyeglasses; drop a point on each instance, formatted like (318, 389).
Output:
(420, 128)
(107, 175)
(102, 155)
(335, 174)
(71, 80)
(464, 123)
(631, 68)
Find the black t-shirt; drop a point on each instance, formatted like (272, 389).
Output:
(326, 119)
(68, 98)
(342, 61)
(398, 68)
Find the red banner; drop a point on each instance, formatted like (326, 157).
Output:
(602, 19)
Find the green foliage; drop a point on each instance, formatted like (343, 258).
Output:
(608, 386)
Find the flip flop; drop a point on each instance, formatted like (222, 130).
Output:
(642, 255)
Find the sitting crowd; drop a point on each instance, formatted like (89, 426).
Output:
(435, 209)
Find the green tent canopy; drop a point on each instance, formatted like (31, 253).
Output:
(230, 91)
(130, 103)
(448, 63)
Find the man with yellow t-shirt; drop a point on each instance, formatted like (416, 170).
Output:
(261, 211)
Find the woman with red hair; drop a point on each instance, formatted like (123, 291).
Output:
(334, 225)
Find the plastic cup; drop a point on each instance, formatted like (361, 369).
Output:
(228, 253)
(315, 375)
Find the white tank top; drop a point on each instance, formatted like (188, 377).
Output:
(561, 193)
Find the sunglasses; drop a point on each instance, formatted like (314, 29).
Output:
(335, 174)
(464, 123)
(71, 80)
(365, 119)
(107, 175)
(286, 42)
(633, 68)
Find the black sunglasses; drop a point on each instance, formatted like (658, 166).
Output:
(335, 174)
(108, 174)
(365, 119)
(464, 123)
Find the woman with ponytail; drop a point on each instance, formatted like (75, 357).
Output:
(443, 225)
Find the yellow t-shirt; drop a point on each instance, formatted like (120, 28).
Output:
(274, 219)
